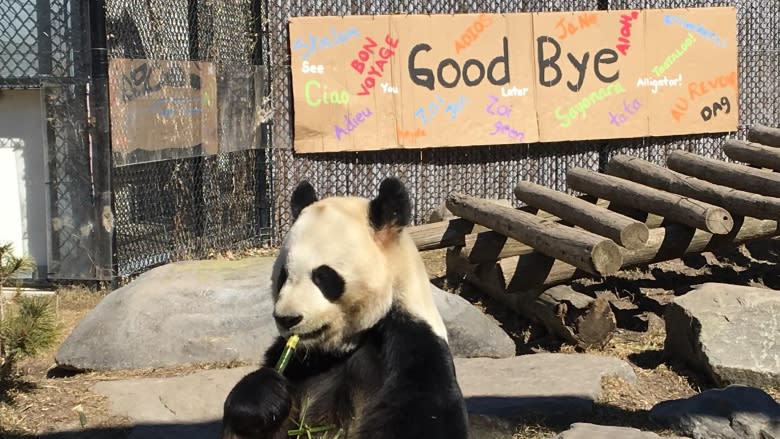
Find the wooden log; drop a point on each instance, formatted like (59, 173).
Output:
(451, 232)
(754, 154)
(589, 252)
(528, 275)
(671, 206)
(574, 317)
(735, 201)
(599, 220)
(441, 234)
(732, 175)
(491, 246)
(764, 135)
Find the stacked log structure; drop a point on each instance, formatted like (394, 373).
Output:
(635, 213)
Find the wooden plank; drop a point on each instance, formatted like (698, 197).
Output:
(735, 201)
(599, 220)
(589, 252)
(671, 206)
(765, 135)
(754, 154)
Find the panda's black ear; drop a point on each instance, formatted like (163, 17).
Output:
(303, 195)
(391, 208)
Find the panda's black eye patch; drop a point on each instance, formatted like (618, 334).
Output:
(329, 282)
(281, 279)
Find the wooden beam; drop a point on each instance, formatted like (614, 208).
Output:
(765, 135)
(441, 234)
(589, 252)
(524, 277)
(451, 232)
(599, 220)
(491, 246)
(754, 154)
(735, 201)
(732, 175)
(671, 206)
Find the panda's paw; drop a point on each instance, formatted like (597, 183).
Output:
(258, 406)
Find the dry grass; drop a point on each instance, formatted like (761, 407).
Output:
(532, 430)
(33, 403)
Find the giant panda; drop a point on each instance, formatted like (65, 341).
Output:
(373, 357)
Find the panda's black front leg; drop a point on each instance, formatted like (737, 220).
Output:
(258, 407)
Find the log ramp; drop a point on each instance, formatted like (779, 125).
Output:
(636, 213)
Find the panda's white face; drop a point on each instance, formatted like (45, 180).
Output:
(330, 279)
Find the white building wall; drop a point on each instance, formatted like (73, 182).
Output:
(23, 211)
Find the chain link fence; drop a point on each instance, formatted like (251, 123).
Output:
(493, 171)
(119, 220)
(189, 207)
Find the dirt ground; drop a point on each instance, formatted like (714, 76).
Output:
(41, 399)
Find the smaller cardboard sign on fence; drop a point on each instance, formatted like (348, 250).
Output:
(160, 105)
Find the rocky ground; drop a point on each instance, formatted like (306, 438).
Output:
(537, 391)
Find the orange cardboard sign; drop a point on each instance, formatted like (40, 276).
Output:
(420, 81)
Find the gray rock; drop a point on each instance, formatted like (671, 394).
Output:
(471, 333)
(560, 387)
(216, 310)
(581, 430)
(735, 412)
(182, 313)
(193, 398)
(728, 332)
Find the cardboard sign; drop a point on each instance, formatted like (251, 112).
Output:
(692, 70)
(161, 105)
(366, 83)
(583, 86)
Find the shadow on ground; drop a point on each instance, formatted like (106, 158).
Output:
(551, 413)
(205, 430)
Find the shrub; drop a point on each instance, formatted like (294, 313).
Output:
(31, 325)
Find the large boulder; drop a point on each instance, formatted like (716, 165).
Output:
(735, 412)
(216, 310)
(728, 332)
